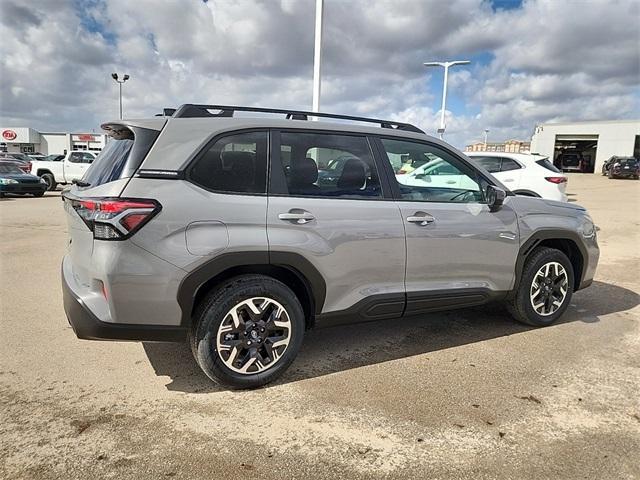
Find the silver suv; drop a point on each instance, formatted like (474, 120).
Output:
(213, 226)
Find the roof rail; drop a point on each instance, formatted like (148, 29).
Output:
(189, 110)
(166, 112)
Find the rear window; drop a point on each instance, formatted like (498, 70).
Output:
(548, 165)
(490, 164)
(632, 162)
(9, 169)
(122, 155)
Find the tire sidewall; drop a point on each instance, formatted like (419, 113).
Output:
(50, 181)
(524, 293)
(214, 313)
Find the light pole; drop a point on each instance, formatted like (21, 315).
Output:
(120, 82)
(446, 66)
(317, 56)
(486, 134)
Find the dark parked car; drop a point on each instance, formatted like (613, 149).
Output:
(622, 167)
(570, 161)
(607, 163)
(14, 180)
(23, 161)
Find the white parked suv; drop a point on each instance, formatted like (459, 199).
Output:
(524, 174)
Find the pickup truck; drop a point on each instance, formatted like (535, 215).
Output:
(63, 169)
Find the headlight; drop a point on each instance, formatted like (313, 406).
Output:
(7, 181)
(588, 229)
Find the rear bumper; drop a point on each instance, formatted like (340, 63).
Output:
(88, 327)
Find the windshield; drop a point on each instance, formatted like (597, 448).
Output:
(9, 169)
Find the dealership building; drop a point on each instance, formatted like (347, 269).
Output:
(595, 141)
(29, 140)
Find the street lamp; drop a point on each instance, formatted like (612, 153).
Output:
(317, 56)
(486, 134)
(120, 82)
(446, 66)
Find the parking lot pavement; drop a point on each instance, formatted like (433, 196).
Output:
(465, 394)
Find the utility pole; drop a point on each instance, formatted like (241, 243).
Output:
(317, 56)
(446, 66)
(486, 134)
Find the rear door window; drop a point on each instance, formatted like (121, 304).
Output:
(328, 165)
(490, 164)
(509, 164)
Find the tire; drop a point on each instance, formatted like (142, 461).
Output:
(50, 181)
(207, 338)
(521, 306)
(39, 194)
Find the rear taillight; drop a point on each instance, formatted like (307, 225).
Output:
(556, 180)
(26, 167)
(114, 218)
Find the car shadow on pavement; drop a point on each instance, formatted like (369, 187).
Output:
(335, 349)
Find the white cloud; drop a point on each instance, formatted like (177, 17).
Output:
(549, 60)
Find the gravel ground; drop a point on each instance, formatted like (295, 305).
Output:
(465, 394)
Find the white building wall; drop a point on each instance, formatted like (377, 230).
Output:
(54, 143)
(614, 137)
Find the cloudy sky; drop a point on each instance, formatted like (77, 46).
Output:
(533, 61)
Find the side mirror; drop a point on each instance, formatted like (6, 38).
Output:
(495, 198)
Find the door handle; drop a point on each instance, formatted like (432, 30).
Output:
(450, 182)
(508, 179)
(421, 218)
(297, 216)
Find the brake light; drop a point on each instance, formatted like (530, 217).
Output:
(26, 167)
(114, 218)
(556, 180)
(402, 171)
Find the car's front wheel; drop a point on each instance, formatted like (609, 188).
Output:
(50, 180)
(247, 331)
(545, 288)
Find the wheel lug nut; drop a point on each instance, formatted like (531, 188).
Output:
(248, 342)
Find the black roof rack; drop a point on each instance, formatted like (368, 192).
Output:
(189, 110)
(166, 112)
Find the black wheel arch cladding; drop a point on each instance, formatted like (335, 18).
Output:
(301, 276)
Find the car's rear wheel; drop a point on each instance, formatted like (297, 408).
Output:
(247, 331)
(545, 288)
(39, 194)
(50, 180)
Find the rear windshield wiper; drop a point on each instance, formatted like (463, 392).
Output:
(80, 183)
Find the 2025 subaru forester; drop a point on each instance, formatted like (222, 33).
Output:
(210, 225)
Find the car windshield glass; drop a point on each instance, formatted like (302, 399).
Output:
(548, 165)
(9, 169)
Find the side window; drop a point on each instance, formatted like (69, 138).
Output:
(509, 164)
(76, 157)
(490, 164)
(328, 165)
(235, 164)
(87, 158)
(442, 178)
